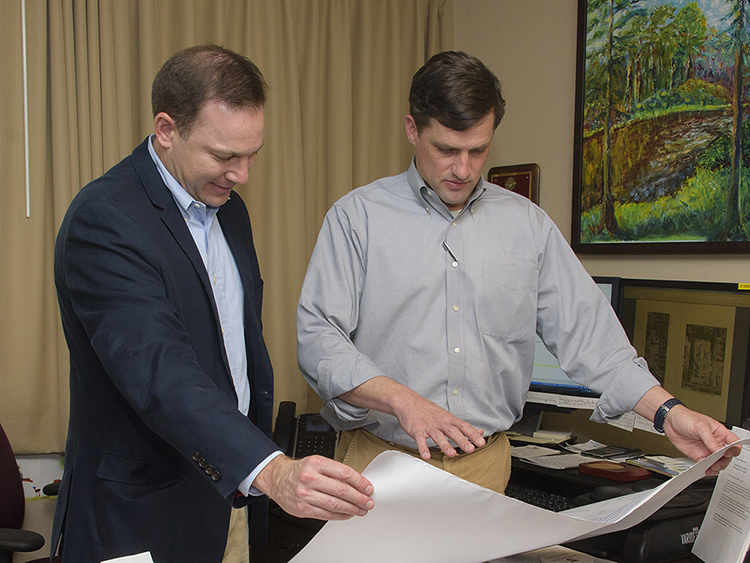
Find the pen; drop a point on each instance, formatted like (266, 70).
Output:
(448, 248)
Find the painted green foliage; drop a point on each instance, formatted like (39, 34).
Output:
(665, 149)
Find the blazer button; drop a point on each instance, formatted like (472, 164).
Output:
(216, 476)
(209, 469)
(202, 463)
(196, 456)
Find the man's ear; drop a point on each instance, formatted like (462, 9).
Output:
(411, 129)
(164, 129)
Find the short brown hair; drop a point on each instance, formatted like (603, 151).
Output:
(192, 77)
(456, 89)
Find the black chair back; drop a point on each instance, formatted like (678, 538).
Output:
(11, 488)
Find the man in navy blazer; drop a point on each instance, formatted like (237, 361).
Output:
(171, 384)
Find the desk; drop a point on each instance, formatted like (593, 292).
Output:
(665, 536)
(565, 482)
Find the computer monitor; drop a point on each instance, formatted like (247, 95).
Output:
(694, 336)
(549, 384)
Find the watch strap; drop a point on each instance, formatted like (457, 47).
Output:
(661, 413)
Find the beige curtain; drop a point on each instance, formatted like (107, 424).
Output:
(339, 72)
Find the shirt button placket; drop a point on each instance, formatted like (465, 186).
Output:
(454, 289)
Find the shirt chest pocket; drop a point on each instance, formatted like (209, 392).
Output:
(507, 302)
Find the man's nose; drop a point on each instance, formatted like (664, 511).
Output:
(239, 171)
(461, 168)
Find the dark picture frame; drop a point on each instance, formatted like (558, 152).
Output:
(520, 178)
(662, 142)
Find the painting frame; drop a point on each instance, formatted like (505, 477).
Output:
(519, 178)
(582, 241)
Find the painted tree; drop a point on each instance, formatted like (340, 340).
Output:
(634, 44)
(605, 18)
(738, 39)
(662, 41)
(692, 30)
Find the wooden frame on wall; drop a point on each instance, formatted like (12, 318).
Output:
(659, 135)
(520, 178)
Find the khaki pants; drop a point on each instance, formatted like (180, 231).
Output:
(488, 466)
(238, 541)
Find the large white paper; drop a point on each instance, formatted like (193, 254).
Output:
(725, 531)
(424, 514)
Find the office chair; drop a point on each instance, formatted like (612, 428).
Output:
(12, 507)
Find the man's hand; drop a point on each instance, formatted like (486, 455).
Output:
(315, 487)
(694, 434)
(698, 436)
(421, 419)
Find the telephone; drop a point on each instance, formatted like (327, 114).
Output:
(307, 435)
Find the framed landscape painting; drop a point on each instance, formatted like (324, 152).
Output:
(662, 139)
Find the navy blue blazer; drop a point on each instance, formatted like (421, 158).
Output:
(156, 446)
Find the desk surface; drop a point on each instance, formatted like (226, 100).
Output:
(659, 538)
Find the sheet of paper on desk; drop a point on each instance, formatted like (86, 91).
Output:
(554, 554)
(562, 461)
(526, 452)
(423, 514)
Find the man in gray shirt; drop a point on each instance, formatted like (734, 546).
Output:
(418, 314)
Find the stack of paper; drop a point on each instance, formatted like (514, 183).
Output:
(547, 457)
(662, 464)
(552, 435)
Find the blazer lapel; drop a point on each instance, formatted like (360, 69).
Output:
(161, 198)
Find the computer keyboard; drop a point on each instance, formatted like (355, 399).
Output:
(542, 499)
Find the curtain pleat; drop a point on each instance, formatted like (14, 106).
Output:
(339, 73)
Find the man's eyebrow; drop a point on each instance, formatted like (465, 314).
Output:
(231, 154)
(446, 147)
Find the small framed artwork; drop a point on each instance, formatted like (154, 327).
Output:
(662, 134)
(520, 178)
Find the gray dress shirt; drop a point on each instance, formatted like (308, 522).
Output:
(449, 306)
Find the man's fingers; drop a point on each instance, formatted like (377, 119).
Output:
(344, 473)
(332, 498)
(422, 447)
(445, 445)
(316, 487)
(344, 491)
(467, 437)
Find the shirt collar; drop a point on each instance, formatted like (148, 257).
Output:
(184, 200)
(428, 198)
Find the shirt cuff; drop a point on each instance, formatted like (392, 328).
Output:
(624, 392)
(245, 487)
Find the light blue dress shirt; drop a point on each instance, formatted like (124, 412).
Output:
(226, 286)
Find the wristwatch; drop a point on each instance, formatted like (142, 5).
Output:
(661, 413)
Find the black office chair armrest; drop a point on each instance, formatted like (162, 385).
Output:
(51, 489)
(20, 540)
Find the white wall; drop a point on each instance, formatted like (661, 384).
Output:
(531, 46)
